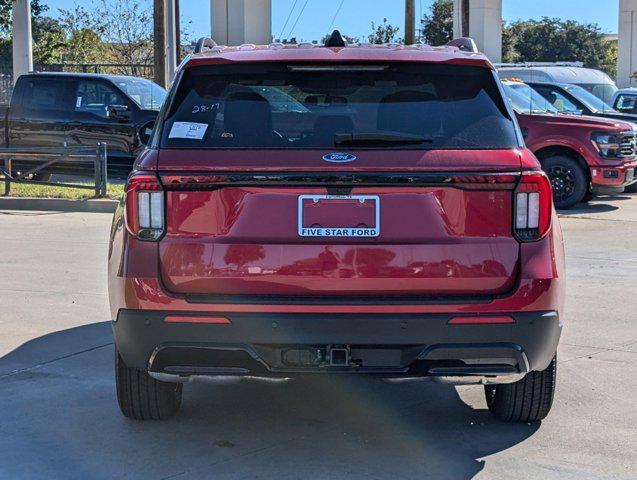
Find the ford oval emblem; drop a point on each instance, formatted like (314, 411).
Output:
(339, 157)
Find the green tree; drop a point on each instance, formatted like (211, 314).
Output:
(37, 9)
(552, 39)
(48, 40)
(112, 31)
(127, 27)
(609, 64)
(509, 43)
(437, 26)
(82, 42)
(384, 33)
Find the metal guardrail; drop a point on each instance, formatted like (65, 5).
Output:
(45, 157)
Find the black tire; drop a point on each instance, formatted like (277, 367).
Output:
(41, 177)
(568, 179)
(631, 188)
(37, 176)
(527, 400)
(141, 397)
(588, 197)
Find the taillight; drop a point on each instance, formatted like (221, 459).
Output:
(533, 206)
(145, 206)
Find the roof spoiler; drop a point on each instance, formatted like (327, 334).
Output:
(464, 44)
(204, 44)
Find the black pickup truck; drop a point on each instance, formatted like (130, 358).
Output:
(76, 109)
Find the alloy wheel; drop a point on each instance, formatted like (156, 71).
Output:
(562, 181)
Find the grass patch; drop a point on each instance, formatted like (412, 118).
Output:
(113, 191)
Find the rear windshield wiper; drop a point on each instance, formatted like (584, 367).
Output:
(375, 138)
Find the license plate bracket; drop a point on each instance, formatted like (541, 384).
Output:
(339, 215)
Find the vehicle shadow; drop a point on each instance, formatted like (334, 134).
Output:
(59, 419)
(584, 208)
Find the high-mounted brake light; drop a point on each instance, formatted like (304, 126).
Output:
(145, 206)
(533, 206)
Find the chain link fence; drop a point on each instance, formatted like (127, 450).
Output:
(6, 88)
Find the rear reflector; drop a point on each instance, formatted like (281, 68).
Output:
(195, 319)
(480, 320)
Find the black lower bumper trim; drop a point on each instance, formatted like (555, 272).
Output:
(400, 344)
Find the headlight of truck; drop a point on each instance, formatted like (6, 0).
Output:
(614, 145)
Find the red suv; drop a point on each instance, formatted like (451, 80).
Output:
(330, 210)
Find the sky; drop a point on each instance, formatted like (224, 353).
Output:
(311, 19)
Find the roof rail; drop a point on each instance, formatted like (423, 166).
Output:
(204, 44)
(464, 44)
(539, 64)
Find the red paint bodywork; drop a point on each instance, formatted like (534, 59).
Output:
(573, 132)
(243, 240)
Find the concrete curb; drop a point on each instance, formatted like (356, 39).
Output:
(58, 204)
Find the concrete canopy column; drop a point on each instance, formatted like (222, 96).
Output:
(485, 25)
(235, 22)
(22, 44)
(627, 44)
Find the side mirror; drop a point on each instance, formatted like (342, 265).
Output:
(146, 132)
(118, 112)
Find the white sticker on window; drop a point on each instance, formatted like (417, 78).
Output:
(78, 102)
(191, 130)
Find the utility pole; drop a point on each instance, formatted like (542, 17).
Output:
(159, 39)
(410, 22)
(178, 32)
(464, 13)
(171, 36)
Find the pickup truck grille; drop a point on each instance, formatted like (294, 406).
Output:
(627, 145)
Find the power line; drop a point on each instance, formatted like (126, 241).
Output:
(297, 18)
(335, 15)
(287, 20)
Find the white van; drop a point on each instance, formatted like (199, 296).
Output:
(595, 81)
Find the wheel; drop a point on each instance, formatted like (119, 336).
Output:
(631, 188)
(37, 176)
(527, 400)
(568, 180)
(41, 177)
(141, 397)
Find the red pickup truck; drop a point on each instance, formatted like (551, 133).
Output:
(306, 210)
(582, 156)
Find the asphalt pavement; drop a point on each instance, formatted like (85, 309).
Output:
(59, 417)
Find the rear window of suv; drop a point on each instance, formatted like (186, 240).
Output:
(282, 106)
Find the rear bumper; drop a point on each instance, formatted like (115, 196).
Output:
(395, 345)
